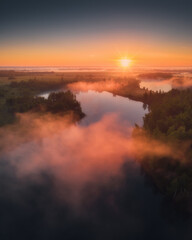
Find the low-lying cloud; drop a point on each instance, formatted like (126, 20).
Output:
(107, 85)
(74, 155)
(181, 82)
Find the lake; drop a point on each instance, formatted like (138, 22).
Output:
(126, 206)
(155, 85)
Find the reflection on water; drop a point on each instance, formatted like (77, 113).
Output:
(164, 86)
(95, 105)
(126, 208)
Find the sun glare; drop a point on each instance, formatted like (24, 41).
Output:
(124, 62)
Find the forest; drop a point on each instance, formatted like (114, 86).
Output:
(170, 121)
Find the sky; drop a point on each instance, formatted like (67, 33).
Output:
(95, 32)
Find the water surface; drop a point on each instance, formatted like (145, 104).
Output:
(127, 208)
(96, 105)
(154, 85)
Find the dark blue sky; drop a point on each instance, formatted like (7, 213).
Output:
(13, 13)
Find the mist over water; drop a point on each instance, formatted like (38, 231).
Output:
(79, 164)
(164, 86)
(82, 181)
(182, 80)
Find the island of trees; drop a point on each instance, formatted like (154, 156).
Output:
(20, 97)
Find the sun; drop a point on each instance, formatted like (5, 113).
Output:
(124, 62)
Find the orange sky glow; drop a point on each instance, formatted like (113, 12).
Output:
(99, 52)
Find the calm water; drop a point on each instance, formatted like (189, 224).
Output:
(96, 105)
(162, 85)
(133, 210)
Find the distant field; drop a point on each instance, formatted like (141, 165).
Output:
(7, 77)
